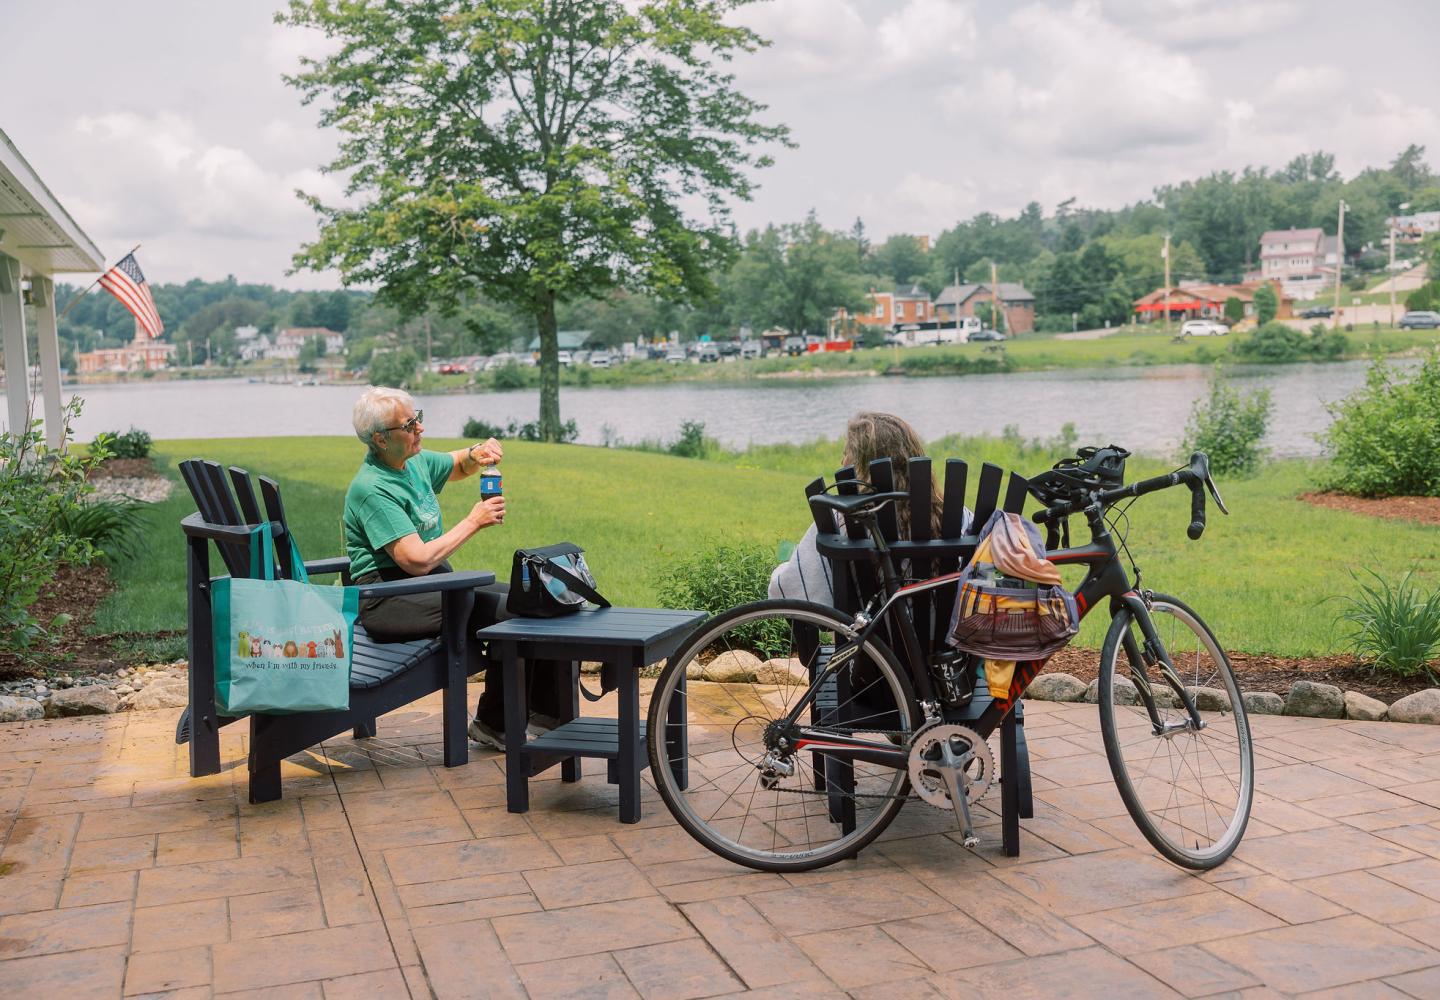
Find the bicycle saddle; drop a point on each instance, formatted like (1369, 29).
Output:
(856, 503)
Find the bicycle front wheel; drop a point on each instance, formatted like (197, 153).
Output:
(1189, 790)
(749, 783)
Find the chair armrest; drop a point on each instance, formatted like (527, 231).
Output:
(434, 583)
(196, 526)
(320, 567)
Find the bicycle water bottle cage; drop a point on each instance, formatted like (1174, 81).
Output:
(1090, 469)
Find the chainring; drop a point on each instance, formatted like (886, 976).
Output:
(930, 784)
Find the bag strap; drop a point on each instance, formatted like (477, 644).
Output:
(578, 585)
(262, 552)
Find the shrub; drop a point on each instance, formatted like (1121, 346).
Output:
(134, 443)
(720, 577)
(1273, 342)
(692, 442)
(40, 490)
(508, 376)
(1425, 298)
(1392, 626)
(1234, 309)
(515, 430)
(1382, 440)
(1228, 427)
(111, 525)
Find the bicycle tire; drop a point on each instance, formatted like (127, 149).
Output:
(1169, 834)
(717, 833)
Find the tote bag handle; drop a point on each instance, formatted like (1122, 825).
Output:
(262, 554)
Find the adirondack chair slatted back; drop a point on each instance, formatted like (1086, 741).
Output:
(216, 504)
(275, 510)
(856, 581)
(213, 501)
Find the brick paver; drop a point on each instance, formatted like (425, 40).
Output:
(383, 874)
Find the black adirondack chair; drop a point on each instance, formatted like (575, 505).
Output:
(383, 677)
(856, 582)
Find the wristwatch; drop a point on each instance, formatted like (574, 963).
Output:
(470, 453)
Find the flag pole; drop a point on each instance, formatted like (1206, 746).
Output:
(71, 304)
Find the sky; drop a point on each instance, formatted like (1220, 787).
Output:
(171, 127)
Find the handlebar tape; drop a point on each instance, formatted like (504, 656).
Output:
(1197, 511)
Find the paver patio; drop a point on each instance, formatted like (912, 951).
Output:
(382, 874)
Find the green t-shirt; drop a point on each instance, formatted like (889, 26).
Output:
(384, 504)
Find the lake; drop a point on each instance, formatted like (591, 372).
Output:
(1143, 409)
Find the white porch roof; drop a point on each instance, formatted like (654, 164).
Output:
(37, 231)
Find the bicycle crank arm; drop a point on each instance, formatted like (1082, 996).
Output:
(851, 748)
(958, 783)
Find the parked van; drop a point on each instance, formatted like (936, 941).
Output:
(752, 349)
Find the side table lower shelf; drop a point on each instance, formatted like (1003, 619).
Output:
(587, 738)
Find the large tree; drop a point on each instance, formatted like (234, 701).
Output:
(795, 276)
(538, 150)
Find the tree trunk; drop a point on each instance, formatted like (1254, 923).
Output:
(549, 367)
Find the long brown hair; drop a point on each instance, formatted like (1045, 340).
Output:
(871, 435)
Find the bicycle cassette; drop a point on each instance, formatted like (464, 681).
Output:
(926, 779)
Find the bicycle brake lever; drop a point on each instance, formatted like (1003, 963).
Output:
(1215, 494)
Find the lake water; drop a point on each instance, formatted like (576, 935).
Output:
(1143, 409)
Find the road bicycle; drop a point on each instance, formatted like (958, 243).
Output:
(749, 768)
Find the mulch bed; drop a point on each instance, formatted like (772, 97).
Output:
(76, 591)
(1263, 672)
(125, 468)
(1425, 510)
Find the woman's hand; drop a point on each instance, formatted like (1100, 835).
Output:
(487, 512)
(487, 452)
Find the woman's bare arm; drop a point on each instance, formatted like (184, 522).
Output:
(419, 558)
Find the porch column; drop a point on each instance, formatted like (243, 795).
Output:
(17, 361)
(42, 297)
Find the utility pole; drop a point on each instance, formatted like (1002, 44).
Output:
(429, 356)
(957, 302)
(995, 314)
(190, 344)
(1165, 256)
(207, 352)
(1339, 265)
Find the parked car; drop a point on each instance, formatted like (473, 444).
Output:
(600, 359)
(728, 349)
(1203, 328)
(986, 334)
(565, 358)
(1317, 312)
(708, 353)
(752, 349)
(499, 361)
(655, 352)
(452, 368)
(1420, 320)
(794, 345)
(675, 355)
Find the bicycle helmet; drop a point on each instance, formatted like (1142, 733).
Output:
(1089, 470)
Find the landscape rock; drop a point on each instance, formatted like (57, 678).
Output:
(168, 693)
(20, 709)
(735, 666)
(1056, 687)
(1421, 707)
(780, 670)
(90, 700)
(1208, 699)
(1125, 693)
(1263, 703)
(1363, 707)
(1315, 701)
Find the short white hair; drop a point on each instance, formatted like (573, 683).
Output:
(375, 409)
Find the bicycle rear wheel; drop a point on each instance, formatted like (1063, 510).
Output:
(727, 765)
(1189, 791)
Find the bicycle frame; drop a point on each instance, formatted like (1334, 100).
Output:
(1105, 578)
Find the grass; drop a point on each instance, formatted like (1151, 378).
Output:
(1268, 578)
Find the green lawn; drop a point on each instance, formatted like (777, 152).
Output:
(1266, 577)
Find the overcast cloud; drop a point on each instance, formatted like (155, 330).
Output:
(170, 125)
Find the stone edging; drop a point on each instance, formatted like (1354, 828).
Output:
(1305, 698)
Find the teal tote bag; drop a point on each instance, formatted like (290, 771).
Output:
(281, 645)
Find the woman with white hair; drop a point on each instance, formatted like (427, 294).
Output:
(393, 531)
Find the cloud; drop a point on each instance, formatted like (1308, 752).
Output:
(1301, 87)
(830, 40)
(1207, 23)
(1081, 85)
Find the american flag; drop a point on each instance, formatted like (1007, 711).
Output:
(126, 282)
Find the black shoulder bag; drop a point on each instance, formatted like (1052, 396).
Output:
(551, 581)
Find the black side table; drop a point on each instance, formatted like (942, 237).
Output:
(628, 638)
